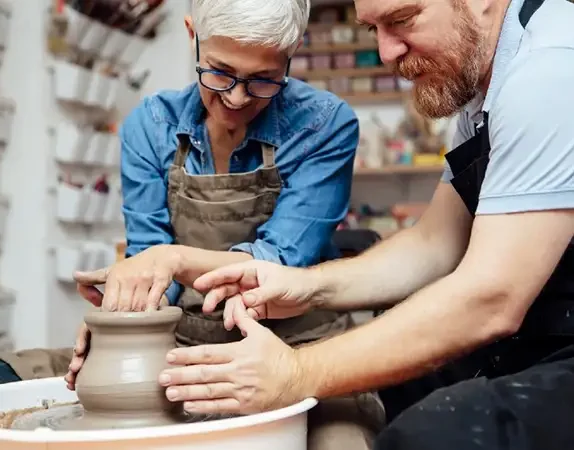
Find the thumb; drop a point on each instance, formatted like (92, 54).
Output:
(244, 322)
(99, 276)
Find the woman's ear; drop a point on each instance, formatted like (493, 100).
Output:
(189, 26)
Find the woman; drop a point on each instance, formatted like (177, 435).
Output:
(245, 164)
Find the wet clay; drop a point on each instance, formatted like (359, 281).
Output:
(118, 383)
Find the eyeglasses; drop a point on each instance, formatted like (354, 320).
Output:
(219, 81)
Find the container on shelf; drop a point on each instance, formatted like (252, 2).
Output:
(132, 51)
(300, 63)
(320, 37)
(72, 143)
(113, 211)
(343, 34)
(77, 25)
(7, 109)
(367, 58)
(93, 37)
(362, 85)
(351, 15)
(4, 211)
(97, 152)
(5, 15)
(321, 62)
(113, 151)
(344, 60)
(81, 205)
(319, 84)
(71, 82)
(96, 206)
(385, 83)
(82, 256)
(7, 300)
(114, 45)
(328, 15)
(340, 85)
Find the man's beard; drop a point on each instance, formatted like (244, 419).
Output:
(452, 80)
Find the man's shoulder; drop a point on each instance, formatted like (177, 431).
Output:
(551, 26)
(304, 106)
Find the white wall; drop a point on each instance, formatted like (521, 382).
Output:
(45, 315)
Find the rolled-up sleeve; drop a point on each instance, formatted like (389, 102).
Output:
(532, 138)
(144, 189)
(315, 196)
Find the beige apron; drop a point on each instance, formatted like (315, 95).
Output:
(216, 212)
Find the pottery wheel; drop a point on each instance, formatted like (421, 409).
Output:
(72, 418)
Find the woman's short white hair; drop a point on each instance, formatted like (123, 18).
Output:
(272, 23)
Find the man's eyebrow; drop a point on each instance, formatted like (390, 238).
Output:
(389, 15)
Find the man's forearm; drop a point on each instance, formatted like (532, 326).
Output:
(441, 322)
(386, 274)
(194, 262)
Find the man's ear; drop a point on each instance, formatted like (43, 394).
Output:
(189, 26)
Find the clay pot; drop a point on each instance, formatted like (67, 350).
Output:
(118, 383)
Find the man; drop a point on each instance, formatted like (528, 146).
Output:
(480, 292)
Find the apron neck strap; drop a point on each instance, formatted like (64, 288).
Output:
(182, 150)
(268, 153)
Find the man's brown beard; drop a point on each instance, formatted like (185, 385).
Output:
(452, 79)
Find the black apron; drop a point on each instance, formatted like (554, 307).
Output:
(548, 328)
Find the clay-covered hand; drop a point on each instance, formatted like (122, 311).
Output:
(260, 373)
(268, 291)
(134, 284)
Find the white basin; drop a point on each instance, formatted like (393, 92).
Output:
(283, 429)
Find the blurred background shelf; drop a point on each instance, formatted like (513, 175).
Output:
(398, 169)
(338, 48)
(370, 98)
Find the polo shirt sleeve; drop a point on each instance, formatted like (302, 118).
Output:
(531, 125)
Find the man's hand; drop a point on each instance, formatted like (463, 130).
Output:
(269, 291)
(260, 373)
(134, 284)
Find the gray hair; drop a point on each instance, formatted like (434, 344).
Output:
(271, 23)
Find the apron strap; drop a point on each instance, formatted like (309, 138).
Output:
(268, 155)
(182, 150)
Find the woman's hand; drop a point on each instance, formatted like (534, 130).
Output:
(260, 373)
(134, 284)
(268, 291)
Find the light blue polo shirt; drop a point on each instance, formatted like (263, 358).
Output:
(530, 102)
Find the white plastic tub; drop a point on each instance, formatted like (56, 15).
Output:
(284, 429)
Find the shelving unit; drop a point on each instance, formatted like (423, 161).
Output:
(7, 111)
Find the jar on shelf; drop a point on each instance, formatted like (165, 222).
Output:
(362, 85)
(368, 58)
(385, 83)
(320, 37)
(340, 85)
(300, 63)
(343, 34)
(345, 61)
(319, 84)
(321, 62)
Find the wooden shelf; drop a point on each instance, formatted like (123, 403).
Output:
(316, 74)
(399, 169)
(330, 26)
(337, 48)
(372, 98)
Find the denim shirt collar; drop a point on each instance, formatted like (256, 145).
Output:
(264, 128)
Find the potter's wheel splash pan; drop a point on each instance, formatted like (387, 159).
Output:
(283, 429)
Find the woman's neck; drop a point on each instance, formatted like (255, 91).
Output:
(223, 141)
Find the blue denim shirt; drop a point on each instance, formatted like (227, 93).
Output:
(315, 135)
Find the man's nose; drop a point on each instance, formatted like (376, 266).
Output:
(390, 46)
